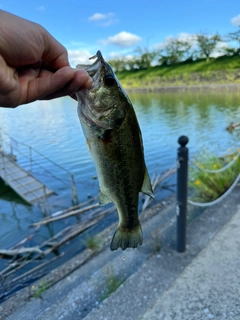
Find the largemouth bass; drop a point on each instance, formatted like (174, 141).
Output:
(114, 140)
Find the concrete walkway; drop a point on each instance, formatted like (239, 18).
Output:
(209, 288)
(201, 284)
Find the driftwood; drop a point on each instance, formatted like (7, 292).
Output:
(54, 244)
(19, 244)
(232, 126)
(79, 229)
(15, 252)
(78, 206)
(26, 274)
(63, 216)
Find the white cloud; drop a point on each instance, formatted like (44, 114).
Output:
(79, 57)
(104, 19)
(236, 20)
(122, 39)
(40, 8)
(100, 16)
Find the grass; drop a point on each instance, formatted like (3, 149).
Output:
(40, 289)
(206, 186)
(93, 243)
(112, 282)
(220, 70)
(156, 242)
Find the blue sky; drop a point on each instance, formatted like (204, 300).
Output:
(118, 27)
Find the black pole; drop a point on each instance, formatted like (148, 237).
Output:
(181, 208)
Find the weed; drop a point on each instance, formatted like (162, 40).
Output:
(112, 282)
(210, 186)
(156, 242)
(40, 289)
(93, 243)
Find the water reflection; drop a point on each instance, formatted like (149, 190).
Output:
(203, 116)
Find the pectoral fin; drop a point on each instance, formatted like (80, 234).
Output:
(103, 199)
(147, 186)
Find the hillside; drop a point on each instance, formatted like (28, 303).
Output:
(217, 71)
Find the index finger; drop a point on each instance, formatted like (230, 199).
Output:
(55, 53)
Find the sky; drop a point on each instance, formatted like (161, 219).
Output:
(118, 27)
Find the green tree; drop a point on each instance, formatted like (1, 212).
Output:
(207, 44)
(117, 64)
(234, 36)
(175, 51)
(144, 58)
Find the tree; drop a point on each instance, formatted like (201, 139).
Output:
(175, 51)
(117, 64)
(234, 36)
(207, 44)
(145, 58)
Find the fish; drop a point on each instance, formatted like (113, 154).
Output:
(114, 140)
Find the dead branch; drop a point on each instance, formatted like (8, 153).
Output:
(63, 216)
(73, 208)
(54, 244)
(79, 229)
(19, 244)
(35, 269)
(15, 252)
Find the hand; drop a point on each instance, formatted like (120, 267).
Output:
(33, 64)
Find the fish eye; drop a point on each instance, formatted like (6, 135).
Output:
(109, 80)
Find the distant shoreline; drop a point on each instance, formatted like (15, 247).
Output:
(183, 88)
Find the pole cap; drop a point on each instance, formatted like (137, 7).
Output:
(183, 140)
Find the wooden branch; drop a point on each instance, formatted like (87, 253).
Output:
(71, 233)
(73, 208)
(35, 269)
(15, 252)
(22, 242)
(79, 229)
(63, 216)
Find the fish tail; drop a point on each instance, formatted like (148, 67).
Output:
(126, 238)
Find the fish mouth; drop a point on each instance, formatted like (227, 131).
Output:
(95, 66)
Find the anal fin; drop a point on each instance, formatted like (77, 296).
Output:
(103, 199)
(147, 186)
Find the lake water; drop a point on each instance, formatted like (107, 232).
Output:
(53, 128)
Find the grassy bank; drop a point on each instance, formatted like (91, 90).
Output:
(218, 71)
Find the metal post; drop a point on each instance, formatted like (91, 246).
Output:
(181, 208)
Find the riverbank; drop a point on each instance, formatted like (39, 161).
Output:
(192, 74)
(106, 284)
(183, 88)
